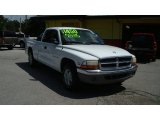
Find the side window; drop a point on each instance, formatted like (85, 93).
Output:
(51, 36)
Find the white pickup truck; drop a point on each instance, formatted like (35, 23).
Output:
(80, 55)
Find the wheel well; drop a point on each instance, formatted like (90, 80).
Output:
(66, 61)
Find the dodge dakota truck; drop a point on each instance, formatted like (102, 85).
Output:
(81, 56)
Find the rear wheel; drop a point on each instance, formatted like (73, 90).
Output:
(10, 47)
(70, 78)
(154, 59)
(31, 59)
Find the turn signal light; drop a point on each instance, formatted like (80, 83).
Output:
(90, 65)
(134, 61)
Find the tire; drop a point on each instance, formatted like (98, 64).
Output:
(10, 47)
(70, 78)
(153, 59)
(22, 45)
(31, 59)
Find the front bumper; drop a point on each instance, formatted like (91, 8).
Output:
(106, 77)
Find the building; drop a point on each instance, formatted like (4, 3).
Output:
(114, 29)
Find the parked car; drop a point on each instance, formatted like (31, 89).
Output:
(8, 39)
(80, 55)
(142, 45)
(21, 39)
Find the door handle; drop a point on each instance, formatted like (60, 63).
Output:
(45, 47)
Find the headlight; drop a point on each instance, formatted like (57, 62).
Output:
(134, 60)
(90, 65)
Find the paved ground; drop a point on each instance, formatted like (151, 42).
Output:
(21, 84)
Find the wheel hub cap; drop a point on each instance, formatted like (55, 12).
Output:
(68, 77)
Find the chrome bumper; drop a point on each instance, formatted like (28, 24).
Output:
(106, 77)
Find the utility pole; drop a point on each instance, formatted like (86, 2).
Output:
(26, 17)
(20, 25)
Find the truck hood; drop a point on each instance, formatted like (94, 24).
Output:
(99, 51)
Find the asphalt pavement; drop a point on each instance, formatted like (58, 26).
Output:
(22, 85)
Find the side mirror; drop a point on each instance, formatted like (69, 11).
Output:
(55, 41)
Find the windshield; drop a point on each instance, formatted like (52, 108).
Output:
(78, 36)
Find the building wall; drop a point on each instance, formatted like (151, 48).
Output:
(142, 20)
(60, 23)
(108, 29)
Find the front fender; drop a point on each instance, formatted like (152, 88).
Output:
(77, 56)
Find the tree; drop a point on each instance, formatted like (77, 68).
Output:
(33, 27)
(12, 25)
(8, 25)
(2, 22)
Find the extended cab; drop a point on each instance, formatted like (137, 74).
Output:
(80, 55)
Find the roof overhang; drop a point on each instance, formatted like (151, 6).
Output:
(56, 17)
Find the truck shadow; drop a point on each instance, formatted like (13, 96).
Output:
(53, 80)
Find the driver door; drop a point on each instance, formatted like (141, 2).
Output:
(48, 49)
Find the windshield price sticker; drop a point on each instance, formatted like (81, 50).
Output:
(70, 33)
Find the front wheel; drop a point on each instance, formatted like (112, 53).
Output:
(70, 78)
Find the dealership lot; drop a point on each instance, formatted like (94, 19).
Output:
(21, 84)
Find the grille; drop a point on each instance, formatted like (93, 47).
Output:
(115, 63)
